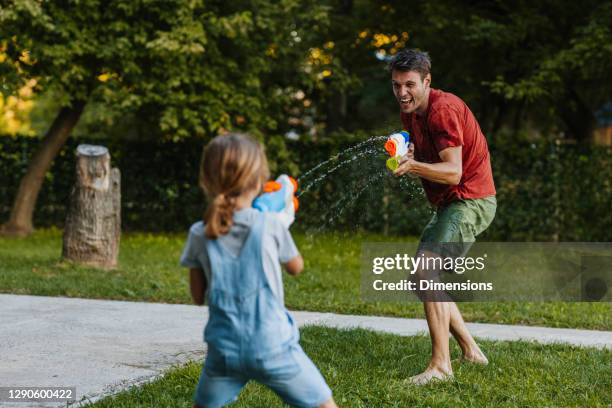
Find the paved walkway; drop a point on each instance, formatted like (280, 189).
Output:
(101, 346)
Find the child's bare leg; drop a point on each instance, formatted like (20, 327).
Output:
(330, 403)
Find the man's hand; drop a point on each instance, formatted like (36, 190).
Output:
(406, 162)
(410, 153)
(407, 165)
(448, 171)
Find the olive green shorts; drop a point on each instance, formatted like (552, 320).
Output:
(459, 222)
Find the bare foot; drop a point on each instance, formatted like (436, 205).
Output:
(429, 375)
(475, 356)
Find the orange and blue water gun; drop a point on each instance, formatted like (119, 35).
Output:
(397, 146)
(278, 195)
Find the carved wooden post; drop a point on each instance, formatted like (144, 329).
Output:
(93, 224)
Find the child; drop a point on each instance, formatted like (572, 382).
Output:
(234, 260)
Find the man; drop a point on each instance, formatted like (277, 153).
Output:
(450, 154)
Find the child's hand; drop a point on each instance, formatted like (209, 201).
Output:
(295, 266)
(197, 285)
(285, 218)
(287, 214)
(279, 200)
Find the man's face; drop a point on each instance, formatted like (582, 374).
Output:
(410, 90)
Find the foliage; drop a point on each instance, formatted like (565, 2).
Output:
(183, 67)
(542, 66)
(15, 110)
(163, 71)
(545, 191)
(551, 191)
(548, 60)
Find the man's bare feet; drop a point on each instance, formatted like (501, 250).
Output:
(429, 375)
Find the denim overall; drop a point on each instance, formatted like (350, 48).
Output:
(250, 334)
(246, 320)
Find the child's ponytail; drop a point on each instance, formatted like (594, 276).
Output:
(219, 214)
(231, 165)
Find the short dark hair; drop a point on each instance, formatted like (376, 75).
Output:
(411, 60)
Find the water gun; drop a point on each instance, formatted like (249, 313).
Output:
(279, 197)
(397, 146)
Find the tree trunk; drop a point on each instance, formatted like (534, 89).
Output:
(20, 221)
(93, 223)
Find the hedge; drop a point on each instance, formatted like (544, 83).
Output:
(546, 191)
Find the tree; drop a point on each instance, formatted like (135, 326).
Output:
(189, 67)
(547, 62)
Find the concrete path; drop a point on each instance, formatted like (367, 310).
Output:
(101, 347)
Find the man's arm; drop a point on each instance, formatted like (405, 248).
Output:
(449, 171)
(197, 285)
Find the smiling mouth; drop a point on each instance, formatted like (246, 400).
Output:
(406, 101)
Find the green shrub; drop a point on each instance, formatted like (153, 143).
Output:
(545, 191)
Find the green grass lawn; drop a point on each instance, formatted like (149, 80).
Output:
(149, 272)
(367, 369)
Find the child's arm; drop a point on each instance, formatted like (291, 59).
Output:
(295, 265)
(197, 285)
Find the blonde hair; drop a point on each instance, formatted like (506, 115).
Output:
(231, 165)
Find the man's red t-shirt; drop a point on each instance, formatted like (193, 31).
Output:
(448, 122)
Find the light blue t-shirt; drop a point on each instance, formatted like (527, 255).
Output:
(277, 247)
